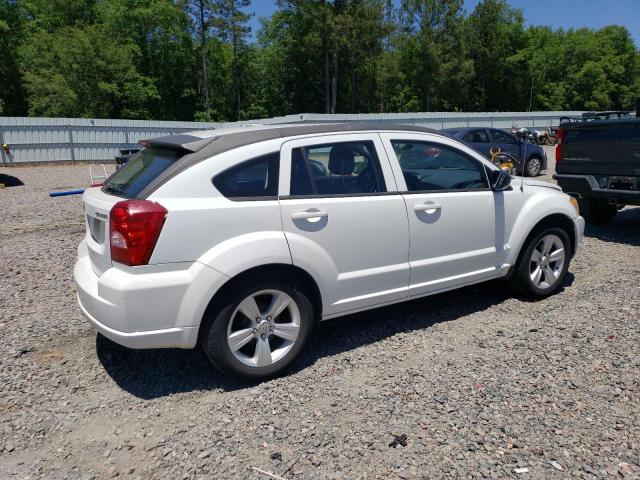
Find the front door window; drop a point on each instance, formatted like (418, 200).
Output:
(434, 167)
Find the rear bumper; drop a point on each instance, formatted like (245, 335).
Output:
(587, 186)
(156, 306)
(184, 337)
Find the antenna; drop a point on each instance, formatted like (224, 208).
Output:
(524, 159)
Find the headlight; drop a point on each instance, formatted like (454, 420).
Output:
(574, 203)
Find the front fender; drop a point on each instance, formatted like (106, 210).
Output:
(535, 209)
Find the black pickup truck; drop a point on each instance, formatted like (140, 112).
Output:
(598, 162)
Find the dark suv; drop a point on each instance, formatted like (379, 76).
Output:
(532, 158)
(598, 161)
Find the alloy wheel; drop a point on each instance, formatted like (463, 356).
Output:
(547, 261)
(263, 328)
(533, 167)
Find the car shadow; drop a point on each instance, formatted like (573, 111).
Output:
(149, 374)
(10, 180)
(624, 228)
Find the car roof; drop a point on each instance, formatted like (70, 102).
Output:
(222, 139)
(456, 130)
(202, 144)
(460, 129)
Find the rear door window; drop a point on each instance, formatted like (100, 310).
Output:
(503, 137)
(348, 168)
(141, 170)
(476, 136)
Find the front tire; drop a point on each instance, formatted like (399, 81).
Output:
(543, 263)
(259, 330)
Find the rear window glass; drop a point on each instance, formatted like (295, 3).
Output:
(140, 171)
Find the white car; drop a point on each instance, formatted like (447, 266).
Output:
(240, 239)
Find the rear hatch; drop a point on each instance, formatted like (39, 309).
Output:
(125, 184)
(601, 147)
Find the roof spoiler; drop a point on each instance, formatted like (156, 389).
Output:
(189, 143)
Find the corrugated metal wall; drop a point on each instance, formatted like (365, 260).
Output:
(70, 139)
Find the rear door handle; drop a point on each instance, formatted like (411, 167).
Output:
(425, 207)
(308, 215)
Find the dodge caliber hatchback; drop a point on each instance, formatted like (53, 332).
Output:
(242, 239)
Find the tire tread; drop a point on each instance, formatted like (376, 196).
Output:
(520, 281)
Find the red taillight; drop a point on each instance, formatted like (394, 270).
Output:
(134, 228)
(559, 152)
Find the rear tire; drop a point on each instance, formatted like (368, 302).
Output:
(262, 346)
(533, 167)
(597, 211)
(543, 263)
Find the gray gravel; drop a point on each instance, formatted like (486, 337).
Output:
(481, 383)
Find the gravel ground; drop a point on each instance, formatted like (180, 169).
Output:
(491, 386)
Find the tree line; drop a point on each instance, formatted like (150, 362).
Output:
(198, 59)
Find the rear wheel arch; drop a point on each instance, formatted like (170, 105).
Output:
(296, 276)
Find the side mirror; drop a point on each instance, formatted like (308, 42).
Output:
(500, 180)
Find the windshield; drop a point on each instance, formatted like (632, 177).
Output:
(140, 171)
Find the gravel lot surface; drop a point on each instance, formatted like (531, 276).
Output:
(483, 384)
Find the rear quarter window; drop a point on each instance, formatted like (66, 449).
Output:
(141, 170)
(255, 179)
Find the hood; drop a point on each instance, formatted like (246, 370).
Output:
(530, 182)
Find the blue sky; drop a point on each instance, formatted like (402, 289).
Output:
(555, 13)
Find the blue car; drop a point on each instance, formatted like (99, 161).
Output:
(484, 139)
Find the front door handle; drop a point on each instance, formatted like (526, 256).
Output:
(425, 207)
(309, 215)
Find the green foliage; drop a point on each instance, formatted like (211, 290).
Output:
(192, 59)
(496, 32)
(159, 32)
(12, 101)
(84, 72)
(433, 54)
(580, 69)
